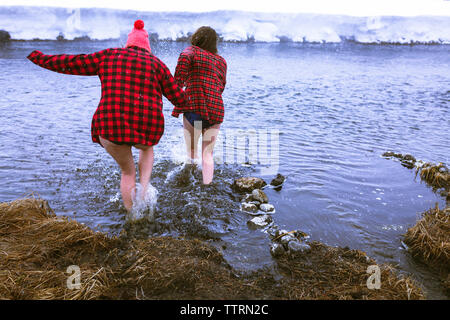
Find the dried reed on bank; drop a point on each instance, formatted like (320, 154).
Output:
(36, 247)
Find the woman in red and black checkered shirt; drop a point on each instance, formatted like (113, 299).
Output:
(203, 72)
(130, 110)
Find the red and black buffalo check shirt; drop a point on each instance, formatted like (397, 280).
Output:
(204, 76)
(133, 82)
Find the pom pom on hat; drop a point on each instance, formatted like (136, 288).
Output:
(138, 36)
(139, 24)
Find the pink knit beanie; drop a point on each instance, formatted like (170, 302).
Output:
(138, 37)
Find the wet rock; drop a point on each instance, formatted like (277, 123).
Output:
(407, 164)
(248, 184)
(247, 197)
(4, 36)
(277, 250)
(280, 232)
(278, 180)
(301, 235)
(249, 207)
(267, 207)
(273, 231)
(408, 157)
(260, 196)
(287, 238)
(406, 160)
(298, 247)
(260, 221)
(390, 154)
(256, 203)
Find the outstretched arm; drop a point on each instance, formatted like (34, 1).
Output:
(80, 64)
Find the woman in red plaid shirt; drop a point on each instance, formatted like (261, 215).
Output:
(130, 110)
(203, 72)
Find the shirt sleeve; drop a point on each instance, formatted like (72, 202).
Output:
(182, 69)
(170, 88)
(80, 64)
(224, 80)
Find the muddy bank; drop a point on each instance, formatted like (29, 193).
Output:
(37, 247)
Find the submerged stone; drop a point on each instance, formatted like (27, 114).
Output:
(260, 196)
(248, 184)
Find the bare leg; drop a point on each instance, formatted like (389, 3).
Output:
(191, 137)
(208, 141)
(124, 158)
(145, 166)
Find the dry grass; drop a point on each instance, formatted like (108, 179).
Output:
(36, 247)
(340, 273)
(437, 176)
(429, 239)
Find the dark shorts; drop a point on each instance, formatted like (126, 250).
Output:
(124, 143)
(192, 117)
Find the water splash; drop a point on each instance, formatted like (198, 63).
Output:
(144, 205)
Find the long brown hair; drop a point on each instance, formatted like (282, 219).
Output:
(205, 38)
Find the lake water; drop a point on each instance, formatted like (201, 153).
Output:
(330, 111)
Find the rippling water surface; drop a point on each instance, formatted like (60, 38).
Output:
(334, 109)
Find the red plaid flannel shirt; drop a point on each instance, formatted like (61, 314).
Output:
(133, 82)
(204, 76)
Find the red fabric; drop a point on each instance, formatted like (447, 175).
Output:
(204, 76)
(133, 82)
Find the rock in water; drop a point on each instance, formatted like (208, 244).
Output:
(277, 249)
(249, 207)
(260, 196)
(267, 207)
(287, 238)
(298, 247)
(4, 36)
(278, 180)
(248, 184)
(260, 221)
